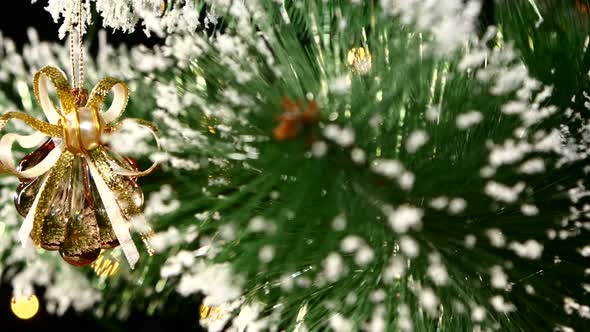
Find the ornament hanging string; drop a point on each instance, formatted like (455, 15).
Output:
(79, 82)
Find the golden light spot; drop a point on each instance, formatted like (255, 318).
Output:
(163, 6)
(211, 313)
(25, 307)
(106, 265)
(204, 311)
(360, 59)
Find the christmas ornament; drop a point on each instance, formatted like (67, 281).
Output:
(295, 118)
(76, 194)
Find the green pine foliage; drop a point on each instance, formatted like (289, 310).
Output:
(296, 193)
(441, 190)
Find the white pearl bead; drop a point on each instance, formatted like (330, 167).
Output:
(86, 127)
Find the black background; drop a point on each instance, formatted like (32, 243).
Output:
(16, 16)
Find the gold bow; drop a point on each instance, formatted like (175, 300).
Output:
(76, 128)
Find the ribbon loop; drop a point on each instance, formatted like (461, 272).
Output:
(152, 129)
(44, 129)
(41, 126)
(120, 98)
(27, 142)
(66, 99)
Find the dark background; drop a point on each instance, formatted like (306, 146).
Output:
(16, 16)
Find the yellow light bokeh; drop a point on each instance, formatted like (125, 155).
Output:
(105, 265)
(360, 59)
(24, 307)
(211, 313)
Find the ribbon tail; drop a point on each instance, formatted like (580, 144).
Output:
(118, 221)
(145, 230)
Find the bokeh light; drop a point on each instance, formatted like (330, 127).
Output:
(25, 307)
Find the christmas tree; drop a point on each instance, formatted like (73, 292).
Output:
(333, 165)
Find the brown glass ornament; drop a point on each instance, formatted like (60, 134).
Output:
(76, 223)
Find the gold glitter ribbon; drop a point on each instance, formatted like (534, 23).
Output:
(109, 198)
(66, 99)
(106, 175)
(33, 224)
(101, 90)
(44, 129)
